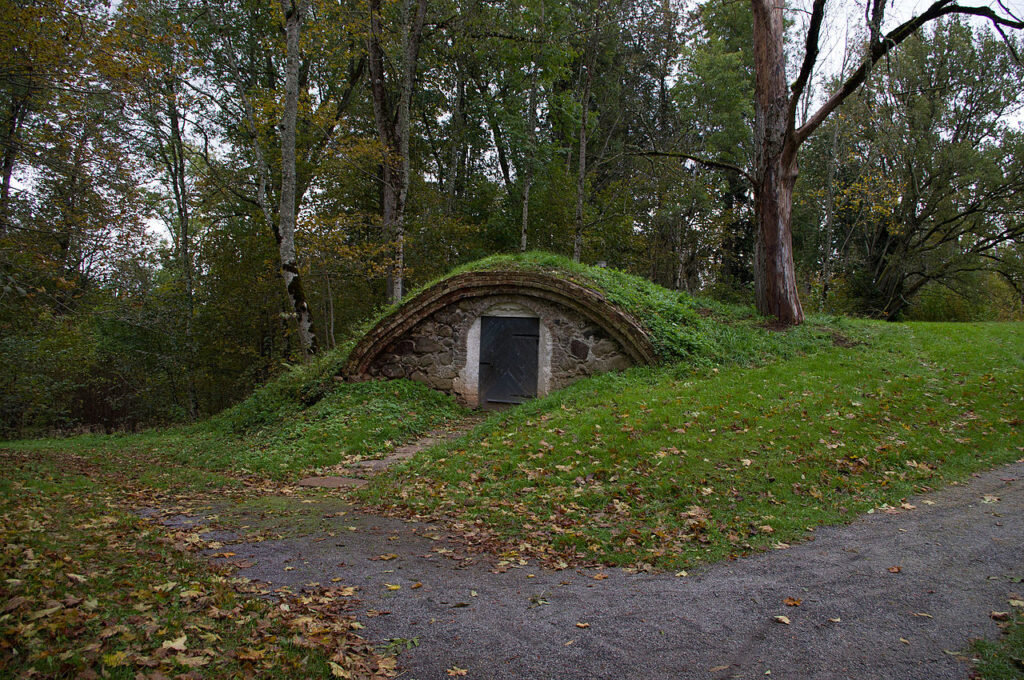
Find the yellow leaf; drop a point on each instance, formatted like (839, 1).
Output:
(782, 619)
(177, 644)
(580, 624)
(392, 587)
(43, 613)
(455, 670)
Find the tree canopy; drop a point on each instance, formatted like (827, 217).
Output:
(194, 194)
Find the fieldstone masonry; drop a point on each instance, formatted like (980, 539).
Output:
(442, 351)
(434, 338)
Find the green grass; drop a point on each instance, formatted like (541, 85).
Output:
(668, 467)
(1002, 659)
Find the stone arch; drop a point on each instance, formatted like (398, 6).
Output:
(467, 297)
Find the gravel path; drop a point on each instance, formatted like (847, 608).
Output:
(960, 555)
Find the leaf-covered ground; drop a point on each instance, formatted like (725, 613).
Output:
(90, 589)
(667, 468)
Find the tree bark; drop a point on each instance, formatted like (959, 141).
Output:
(775, 170)
(777, 139)
(528, 161)
(294, 15)
(177, 169)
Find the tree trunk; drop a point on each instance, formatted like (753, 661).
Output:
(393, 131)
(531, 149)
(294, 14)
(177, 170)
(775, 169)
(581, 175)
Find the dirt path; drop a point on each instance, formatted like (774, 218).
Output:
(355, 474)
(960, 555)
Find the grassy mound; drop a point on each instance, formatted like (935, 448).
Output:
(701, 331)
(306, 419)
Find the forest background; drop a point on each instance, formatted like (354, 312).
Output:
(195, 194)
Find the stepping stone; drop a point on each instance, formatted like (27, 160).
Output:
(332, 482)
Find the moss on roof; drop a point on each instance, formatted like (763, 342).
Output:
(677, 323)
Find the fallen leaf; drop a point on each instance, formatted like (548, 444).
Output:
(1016, 603)
(339, 672)
(416, 585)
(1000, 616)
(13, 604)
(835, 620)
(580, 624)
(455, 670)
(388, 556)
(924, 615)
(715, 669)
(115, 659)
(680, 574)
(600, 576)
(472, 593)
(895, 570)
(177, 644)
(782, 619)
(792, 601)
(392, 587)
(905, 641)
(191, 661)
(43, 613)
(989, 498)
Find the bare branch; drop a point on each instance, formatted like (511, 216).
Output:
(810, 56)
(880, 48)
(718, 165)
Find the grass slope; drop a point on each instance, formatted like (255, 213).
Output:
(666, 468)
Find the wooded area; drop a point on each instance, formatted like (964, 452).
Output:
(195, 193)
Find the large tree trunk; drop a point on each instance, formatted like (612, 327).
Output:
(775, 169)
(294, 15)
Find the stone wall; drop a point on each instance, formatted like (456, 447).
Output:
(442, 350)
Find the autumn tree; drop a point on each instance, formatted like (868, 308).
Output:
(778, 134)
